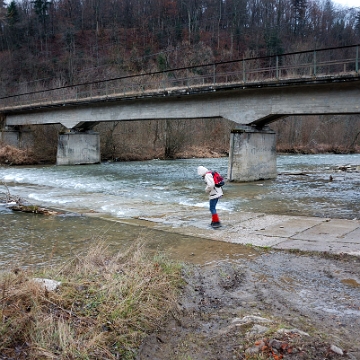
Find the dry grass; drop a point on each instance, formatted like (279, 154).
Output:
(318, 149)
(104, 307)
(12, 156)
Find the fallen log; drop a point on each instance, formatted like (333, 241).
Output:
(17, 204)
(33, 209)
(297, 173)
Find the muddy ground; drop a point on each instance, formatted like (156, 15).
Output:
(277, 305)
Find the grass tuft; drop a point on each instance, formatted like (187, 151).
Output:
(104, 307)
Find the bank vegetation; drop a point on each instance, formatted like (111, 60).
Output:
(102, 306)
(52, 43)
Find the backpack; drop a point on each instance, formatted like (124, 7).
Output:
(218, 179)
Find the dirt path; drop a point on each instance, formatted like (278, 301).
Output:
(276, 306)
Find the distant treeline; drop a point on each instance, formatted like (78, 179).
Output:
(46, 43)
(69, 41)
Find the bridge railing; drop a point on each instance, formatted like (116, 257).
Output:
(338, 62)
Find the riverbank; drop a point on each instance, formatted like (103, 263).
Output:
(253, 302)
(267, 305)
(13, 156)
(296, 296)
(276, 305)
(10, 155)
(97, 305)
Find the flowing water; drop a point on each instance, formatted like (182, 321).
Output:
(130, 190)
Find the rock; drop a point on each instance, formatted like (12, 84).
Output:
(257, 329)
(250, 319)
(48, 284)
(336, 350)
(276, 344)
(294, 331)
(253, 350)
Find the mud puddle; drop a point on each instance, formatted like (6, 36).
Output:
(276, 305)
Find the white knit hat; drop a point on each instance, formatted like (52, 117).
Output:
(201, 170)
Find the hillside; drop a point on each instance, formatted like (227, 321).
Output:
(46, 44)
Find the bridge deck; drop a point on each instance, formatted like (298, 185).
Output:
(178, 91)
(330, 64)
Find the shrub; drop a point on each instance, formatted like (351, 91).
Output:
(14, 156)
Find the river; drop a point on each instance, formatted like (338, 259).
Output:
(131, 190)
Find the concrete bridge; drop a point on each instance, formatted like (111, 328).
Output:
(251, 95)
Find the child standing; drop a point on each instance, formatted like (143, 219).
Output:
(214, 194)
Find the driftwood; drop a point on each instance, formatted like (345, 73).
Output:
(299, 173)
(32, 209)
(8, 198)
(16, 204)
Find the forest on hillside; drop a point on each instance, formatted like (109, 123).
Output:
(53, 43)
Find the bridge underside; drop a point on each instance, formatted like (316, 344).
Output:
(252, 148)
(256, 106)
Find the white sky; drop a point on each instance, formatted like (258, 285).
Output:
(348, 3)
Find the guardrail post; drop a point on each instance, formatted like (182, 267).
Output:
(277, 67)
(214, 74)
(244, 71)
(357, 59)
(314, 63)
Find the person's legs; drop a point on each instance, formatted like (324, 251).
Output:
(213, 203)
(215, 222)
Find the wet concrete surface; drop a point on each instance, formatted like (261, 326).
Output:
(336, 236)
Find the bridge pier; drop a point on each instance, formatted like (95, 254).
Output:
(252, 154)
(20, 137)
(75, 148)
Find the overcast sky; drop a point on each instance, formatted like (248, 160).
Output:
(347, 3)
(350, 3)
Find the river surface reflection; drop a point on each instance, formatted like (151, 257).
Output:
(151, 188)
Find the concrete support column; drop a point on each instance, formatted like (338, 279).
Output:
(252, 154)
(11, 137)
(20, 137)
(75, 148)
